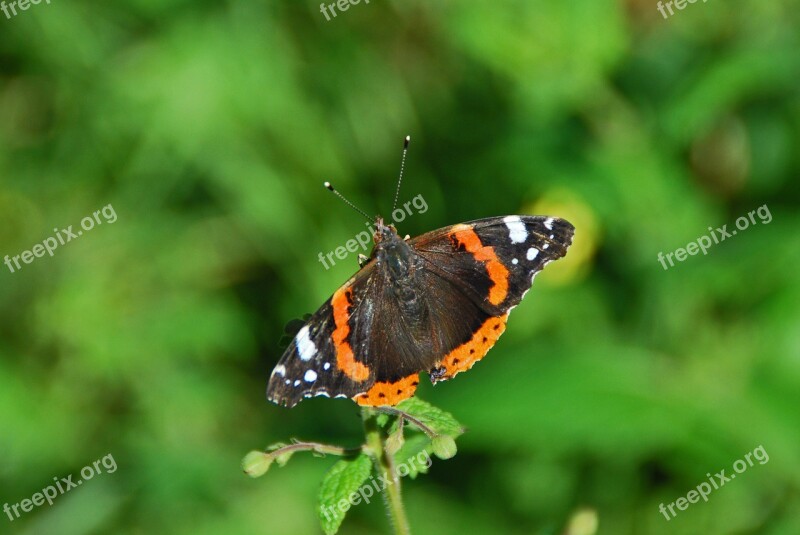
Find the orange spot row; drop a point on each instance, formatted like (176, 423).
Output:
(464, 356)
(498, 273)
(386, 393)
(345, 360)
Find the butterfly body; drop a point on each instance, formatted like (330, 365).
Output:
(435, 303)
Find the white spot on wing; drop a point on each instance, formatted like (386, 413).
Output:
(514, 261)
(548, 223)
(326, 366)
(533, 252)
(280, 369)
(545, 246)
(310, 376)
(516, 229)
(297, 382)
(305, 347)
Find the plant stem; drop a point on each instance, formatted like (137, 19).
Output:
(405, 416)
(384, 463)
(319, 448)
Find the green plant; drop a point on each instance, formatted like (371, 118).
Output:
(388, 451)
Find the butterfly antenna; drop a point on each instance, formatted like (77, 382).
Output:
(402, 167)
(348, 203)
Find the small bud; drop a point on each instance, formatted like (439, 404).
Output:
(394, 442)
(444, 447)
(256, 463)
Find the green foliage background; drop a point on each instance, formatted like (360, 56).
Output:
(209, 126)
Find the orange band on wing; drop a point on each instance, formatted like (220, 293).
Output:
(498, 273)
(464, 356)
(345, 360)
(389, 393)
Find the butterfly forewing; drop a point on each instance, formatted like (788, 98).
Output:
(496, 258)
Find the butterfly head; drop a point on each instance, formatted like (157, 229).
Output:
(392, 251)
(384, 233)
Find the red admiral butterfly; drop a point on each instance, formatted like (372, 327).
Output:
(435, 303)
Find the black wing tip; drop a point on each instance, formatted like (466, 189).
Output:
(556, 229)
(554, 220)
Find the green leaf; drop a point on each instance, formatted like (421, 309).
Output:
(341, 482)
(382, 419)
(414, 455)
(441, 422)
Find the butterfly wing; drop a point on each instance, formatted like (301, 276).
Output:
(492, 263)
(319, 361)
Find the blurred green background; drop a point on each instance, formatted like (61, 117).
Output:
(210, 126)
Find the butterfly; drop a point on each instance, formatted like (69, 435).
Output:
(436, 303)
